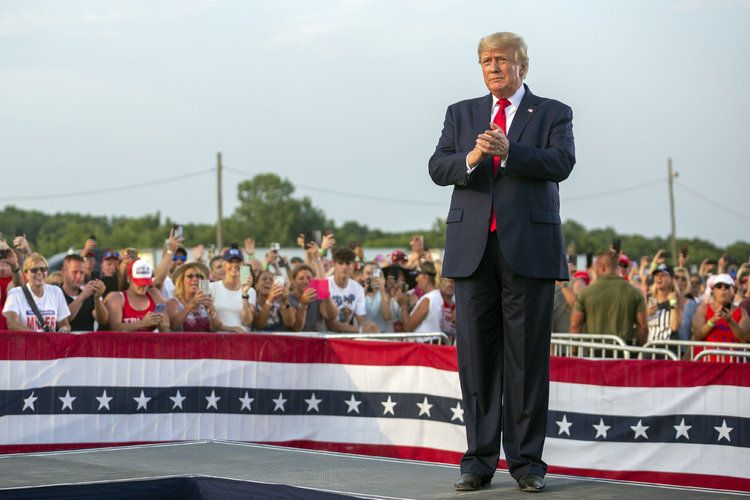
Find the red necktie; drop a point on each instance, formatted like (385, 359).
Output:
(500, 122)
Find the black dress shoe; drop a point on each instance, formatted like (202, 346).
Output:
(470, 482)
(531, 482)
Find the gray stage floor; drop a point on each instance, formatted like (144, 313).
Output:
(354, 475)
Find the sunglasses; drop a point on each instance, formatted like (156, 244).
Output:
(130, 253)
(720, 286)
(678, 277)
(111, 255)
(695, 283)
(183, 258)
(422, 271)
(194, 275)
(624, 264)
(34, 270)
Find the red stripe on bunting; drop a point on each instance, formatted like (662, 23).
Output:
(231, 346)
(648, 373)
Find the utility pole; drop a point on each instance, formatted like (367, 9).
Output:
(670, 180)
(219, 244)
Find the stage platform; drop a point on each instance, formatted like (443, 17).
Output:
(224, 469)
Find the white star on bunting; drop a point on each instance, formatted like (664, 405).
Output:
(601, 429)
(458, 413)
(388, 406)
(246, 401)
(29, 402)
(353, 405)
(103, 400)
(682, 429)
(279, 402)
(142, 401)
(724, 431)
(564, 426)
(212, 400)
(312, 403)
(640, 430)
(67, 401)
(424, 408)
(177, 399)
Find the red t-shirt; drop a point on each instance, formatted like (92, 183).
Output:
(130, 315)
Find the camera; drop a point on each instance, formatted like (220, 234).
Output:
(275, 247)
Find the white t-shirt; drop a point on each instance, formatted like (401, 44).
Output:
(51, 305)
(167, 289)
(228, 303)
(350, 301)
(431, 322)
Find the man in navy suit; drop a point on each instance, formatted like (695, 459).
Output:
(504, 154)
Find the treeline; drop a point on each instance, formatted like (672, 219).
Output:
(269, 212)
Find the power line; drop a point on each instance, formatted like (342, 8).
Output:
(351, 194)
(614, 191)
(704, 198)
(154, 182)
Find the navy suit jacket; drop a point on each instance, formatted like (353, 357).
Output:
(525, 193)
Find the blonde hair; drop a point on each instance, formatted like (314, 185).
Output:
(31, 260)
(505, 40)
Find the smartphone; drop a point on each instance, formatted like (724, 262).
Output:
(92, 237)
(317, 236)
(573, 259)
(377, 272)
(159, 308)
(275, 247)
(683, 250)
(179, 231)
(95, 275)
(244, 273)
(3, 253)
(279, 280)
(204, 287)
(19, 232)
(616, 245)
(321, 287)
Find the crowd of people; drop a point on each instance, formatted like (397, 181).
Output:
(333, 289)
(651, 301)
(336, 289)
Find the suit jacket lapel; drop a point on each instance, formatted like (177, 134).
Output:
(523, 114)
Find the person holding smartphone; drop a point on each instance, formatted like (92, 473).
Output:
(274, 313)
(191, 309)
(719, 320)
(310, 312)
(664, 305)
(235, 307)
(140, 308)
(380, 307)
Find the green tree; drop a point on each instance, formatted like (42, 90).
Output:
(269, 213)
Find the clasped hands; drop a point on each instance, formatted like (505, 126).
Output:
(491, 142)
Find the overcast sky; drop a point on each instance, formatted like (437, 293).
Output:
(346, 98)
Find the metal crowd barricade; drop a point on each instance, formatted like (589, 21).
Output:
(600, 339)
(724, 355)
(685, 349)
(426, 338)
(598, 350)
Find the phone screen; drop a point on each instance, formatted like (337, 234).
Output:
(244, 273)
(159, 308)
(179, 230)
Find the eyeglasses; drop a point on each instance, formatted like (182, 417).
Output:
(720, 286)
(34, 270)
(130, 253)
(183, 258)
(194, 275)
(111, 255)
